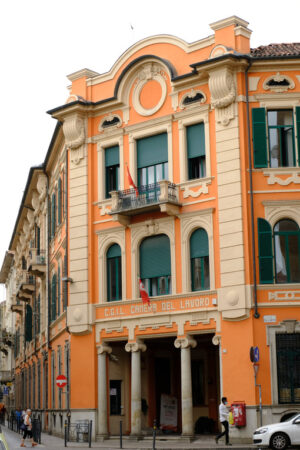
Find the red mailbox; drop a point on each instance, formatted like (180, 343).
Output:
(239, 413)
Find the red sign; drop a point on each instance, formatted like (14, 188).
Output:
(61, 381)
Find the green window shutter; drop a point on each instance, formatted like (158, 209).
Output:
(53, 298)
(298, 131)
(58, 292)
(59, 192)
(152, 150)
(28, 323)
(53, 214)
(265, 251)
(195, 140)
(259, 137)
(155, 257)
(112, 156)
(199, 243)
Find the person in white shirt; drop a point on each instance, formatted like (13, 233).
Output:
(223, 417)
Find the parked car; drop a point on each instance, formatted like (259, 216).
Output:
(279, 435)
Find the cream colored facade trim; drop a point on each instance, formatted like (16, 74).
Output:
(281, 209)
(182, 124)
(278, 78)
(253, 83)
(273, 178)
(284, 295)
(223, 93)
(192, 93)
(109, 118)
(278, 191)
(278, 100)
(145, 132)
(202, 186)
(232, 20)
(74, 128)
(82, 73)
(146, 229)
(106, 238)
(241, 31)
(159, 39)
(104, 143)
(148, 72)
(287, 326)
(189, 223)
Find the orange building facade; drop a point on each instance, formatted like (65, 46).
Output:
(180, 168)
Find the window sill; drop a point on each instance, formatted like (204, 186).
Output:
(277, 286)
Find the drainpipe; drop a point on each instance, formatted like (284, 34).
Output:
(256, 313)
(48, 262)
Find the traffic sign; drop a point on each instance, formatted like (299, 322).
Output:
(254, 354)
(61, 381)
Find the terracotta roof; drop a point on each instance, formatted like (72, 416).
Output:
(276, 50)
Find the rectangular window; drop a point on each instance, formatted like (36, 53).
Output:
(274, 137)
(281, 138)
(115, 397)
(112, 170)
(196, 151)
(152, 161)
(288, 367)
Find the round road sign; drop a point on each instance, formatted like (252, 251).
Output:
(61, 381)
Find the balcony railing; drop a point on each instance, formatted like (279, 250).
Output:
(37, 262)
(148, 197)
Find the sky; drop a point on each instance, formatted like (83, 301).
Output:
(42, 41)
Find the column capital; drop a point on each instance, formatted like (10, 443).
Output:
(216, 340)
(185, 342)
(135, 346)
(103, 348)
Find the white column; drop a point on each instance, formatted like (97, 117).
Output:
(102, 350)
(136, 386)
(185, 345)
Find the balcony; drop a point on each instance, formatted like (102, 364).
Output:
(17, 307)
(37, 262)
(161, 196)
(25, 287)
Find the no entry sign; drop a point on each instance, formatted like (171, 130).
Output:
(61, 381)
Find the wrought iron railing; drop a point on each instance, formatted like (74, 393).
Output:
(129, 199)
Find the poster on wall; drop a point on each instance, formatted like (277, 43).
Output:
(168, 412)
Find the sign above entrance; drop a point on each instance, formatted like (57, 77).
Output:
(173, 305)
(61, 381)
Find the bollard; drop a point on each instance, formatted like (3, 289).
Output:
(154, 434)
(66, 424)
(121, 443)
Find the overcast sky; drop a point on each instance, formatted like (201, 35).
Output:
(42, 41)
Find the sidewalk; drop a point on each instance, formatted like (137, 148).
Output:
(162, 442)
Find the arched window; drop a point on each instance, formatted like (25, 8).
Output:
(155, 265)
(114, 273)
(287, 251)
(199, 260)
(279, 250)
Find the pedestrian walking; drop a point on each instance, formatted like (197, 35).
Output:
(27, 429)
(223, 417)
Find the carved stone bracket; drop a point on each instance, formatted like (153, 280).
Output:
(135, 346)
(216, 340)
(185, 342)
(74, 132)
(223, 93)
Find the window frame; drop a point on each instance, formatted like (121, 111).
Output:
(102, 145)
(275, 105)
(117, 261)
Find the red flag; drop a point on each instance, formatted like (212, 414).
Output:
(144, 293)
(131, 183)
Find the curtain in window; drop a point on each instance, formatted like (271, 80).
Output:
(199, 254)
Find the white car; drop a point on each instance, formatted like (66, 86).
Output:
(279, 435)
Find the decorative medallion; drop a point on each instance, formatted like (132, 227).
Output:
(150, 90)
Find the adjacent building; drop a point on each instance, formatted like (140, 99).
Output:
(180, 168)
